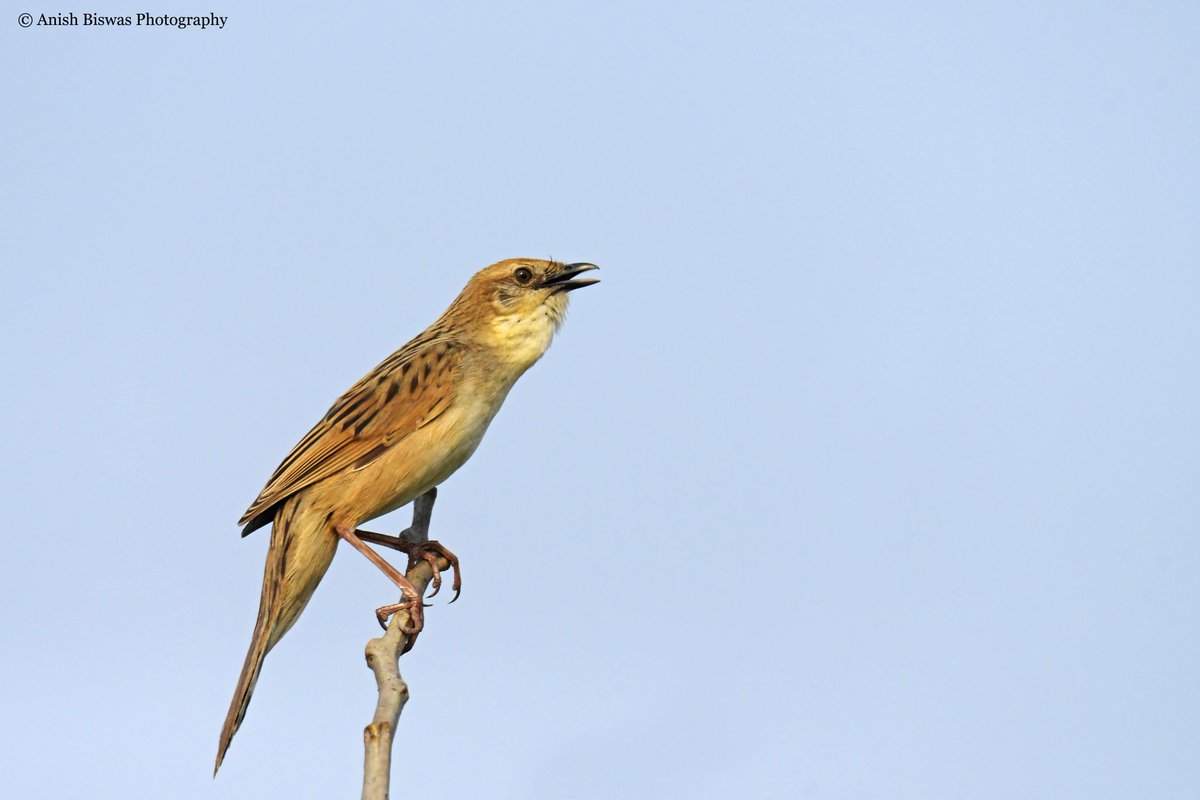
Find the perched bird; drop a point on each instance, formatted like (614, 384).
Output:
(394, 436)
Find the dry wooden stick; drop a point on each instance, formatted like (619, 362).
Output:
(383, 657)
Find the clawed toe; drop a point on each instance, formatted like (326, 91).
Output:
(431, 552)
(416, 616)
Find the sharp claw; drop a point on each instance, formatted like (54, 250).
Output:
(437, 573)
(416, 616)
(431, 551)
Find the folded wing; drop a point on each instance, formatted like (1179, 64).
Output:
(407, 391)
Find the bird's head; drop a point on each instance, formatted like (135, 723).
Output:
(521, 303)
(529, 287)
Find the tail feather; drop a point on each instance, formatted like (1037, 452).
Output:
(301, 549)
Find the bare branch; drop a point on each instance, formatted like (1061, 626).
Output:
(383, 657)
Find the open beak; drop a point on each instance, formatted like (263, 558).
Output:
(561, 281)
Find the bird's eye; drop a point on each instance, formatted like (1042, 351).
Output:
(523, 275)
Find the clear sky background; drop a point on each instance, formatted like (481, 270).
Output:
(869, 471)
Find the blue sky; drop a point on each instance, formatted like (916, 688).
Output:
(868, 471)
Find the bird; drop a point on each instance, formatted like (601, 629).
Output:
(390, 440)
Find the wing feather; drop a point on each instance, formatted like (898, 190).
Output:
(410, 389)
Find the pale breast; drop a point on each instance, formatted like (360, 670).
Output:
(421, 460)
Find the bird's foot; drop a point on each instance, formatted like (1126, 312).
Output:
(412, 598)
(431, 551)
(413, 604)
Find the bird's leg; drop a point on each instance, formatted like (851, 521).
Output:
(430, 551)
(416, 543)
(412, 599)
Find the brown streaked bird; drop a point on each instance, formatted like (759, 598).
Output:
(388, 441)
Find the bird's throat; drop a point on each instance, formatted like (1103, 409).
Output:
(519, 341)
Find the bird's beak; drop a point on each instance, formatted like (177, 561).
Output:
(561, 281)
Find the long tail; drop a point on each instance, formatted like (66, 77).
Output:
(302, 547)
